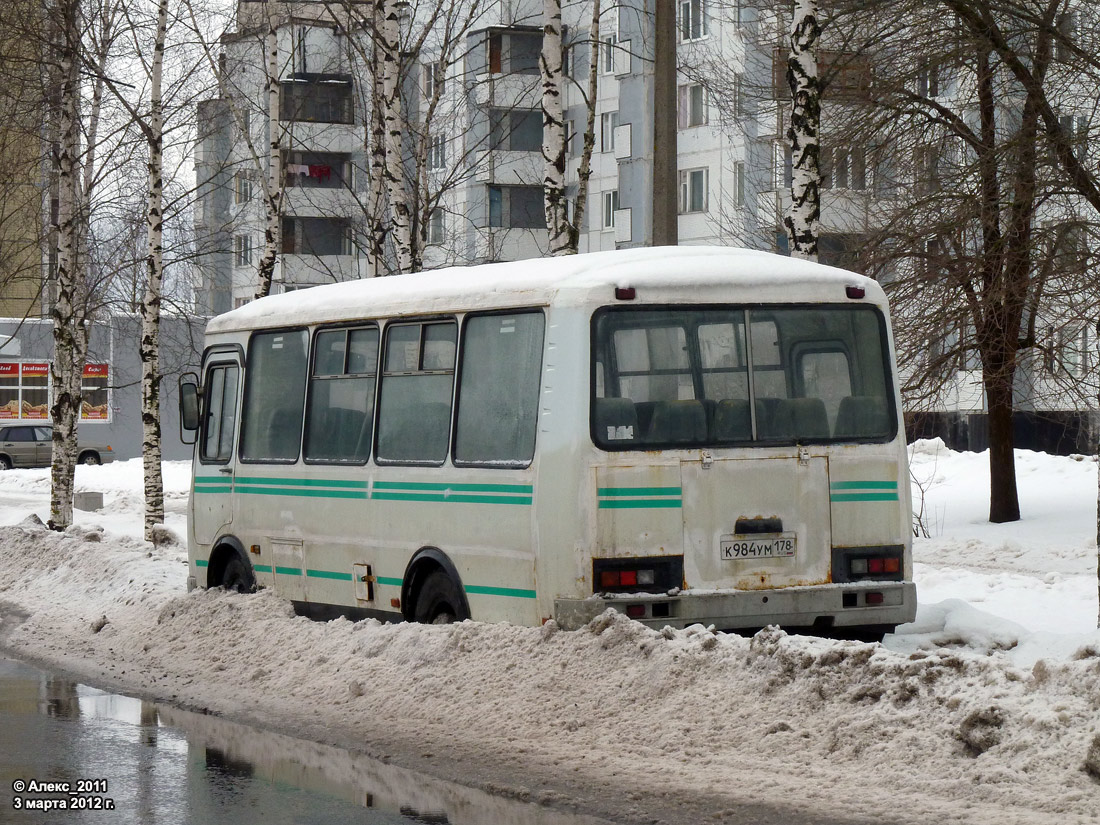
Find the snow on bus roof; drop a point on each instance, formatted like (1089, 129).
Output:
(530, 281)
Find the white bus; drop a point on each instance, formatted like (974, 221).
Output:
(683, 434)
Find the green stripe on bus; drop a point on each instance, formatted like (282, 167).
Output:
(864, 485)
(288, 571)
(388, 581)
(864, 497)
(262, 568)
(639, 491)
(641, 504)
(458, 488)
(457, 498)
(481, 590)
(287, 491)
(213, 489)
(211, 479)
(201, 563)
(302, 482)
(328, 574)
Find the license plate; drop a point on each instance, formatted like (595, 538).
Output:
(771, 546)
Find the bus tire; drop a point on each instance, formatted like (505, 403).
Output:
(237, 576)
(439, 600)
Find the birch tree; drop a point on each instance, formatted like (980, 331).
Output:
(149, 347)
(388, 42)
(66, 313)
(803, 218)
(564, 234)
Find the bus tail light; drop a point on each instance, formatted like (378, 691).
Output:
(855, 292)
(635, 611)
(874, 598)
(882, 562)
(652, 574)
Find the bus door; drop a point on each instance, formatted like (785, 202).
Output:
(215, 456)
(756, 522)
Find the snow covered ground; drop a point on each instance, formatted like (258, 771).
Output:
(985, 710)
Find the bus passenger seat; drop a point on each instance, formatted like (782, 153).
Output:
(774, 420)
(732, 421)
(810, 418)
(678, 422)
(616, 420)
(861, 416)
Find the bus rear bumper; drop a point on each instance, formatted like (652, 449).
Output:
(849, 605)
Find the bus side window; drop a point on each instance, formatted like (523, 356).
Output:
(221, 413)
(498, 389)
(414, 403)
(274, 396)
(341, 395)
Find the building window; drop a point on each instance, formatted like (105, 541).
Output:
(516, 207)
(316, 99)
(515, 130)
(437, 151)
(609, 121)
(693, 190)
(692, 109)
(316, 236)
(607, 53)
(610, 206)
(514, 52)
(739, 182)
(318, 170)
(1067, 28)
(240, 302)
(242, 186)
(928, 79)
(570, 133)
(693, 19)
(435, 226)
(434, 75)
(242, 250)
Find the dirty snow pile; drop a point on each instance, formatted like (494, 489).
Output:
(985, 710)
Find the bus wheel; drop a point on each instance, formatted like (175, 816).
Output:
(439, 600)
(238, 576)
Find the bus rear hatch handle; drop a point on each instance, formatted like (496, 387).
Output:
(227, 470)
(758, 525)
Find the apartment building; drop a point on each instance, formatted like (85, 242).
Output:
(473, 137)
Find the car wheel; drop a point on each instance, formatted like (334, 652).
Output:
(439, 601)
(91, 459)
(238, 576)
(5, 462)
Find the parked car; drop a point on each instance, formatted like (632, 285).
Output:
(25, 445)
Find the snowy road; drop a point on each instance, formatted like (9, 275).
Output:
(986, 710)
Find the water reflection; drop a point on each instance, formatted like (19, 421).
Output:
(166, 765)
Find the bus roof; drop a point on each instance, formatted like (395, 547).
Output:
(681, 274)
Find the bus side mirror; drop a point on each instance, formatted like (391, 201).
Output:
(189, 407)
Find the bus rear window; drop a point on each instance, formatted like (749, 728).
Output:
(697, 377)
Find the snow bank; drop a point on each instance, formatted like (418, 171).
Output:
(964, 716)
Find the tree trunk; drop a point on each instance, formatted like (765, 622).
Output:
(69, 331)
(584, 171)
(803, 219)
(389, 40)
(149, 348)
(376, 205)
(563, 240)
(273, 193)
(1004, 502)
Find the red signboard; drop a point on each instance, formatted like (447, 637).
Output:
(9, 370)
(95, 370)
(36, 370)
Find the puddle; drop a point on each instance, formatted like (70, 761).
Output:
(153, 764)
